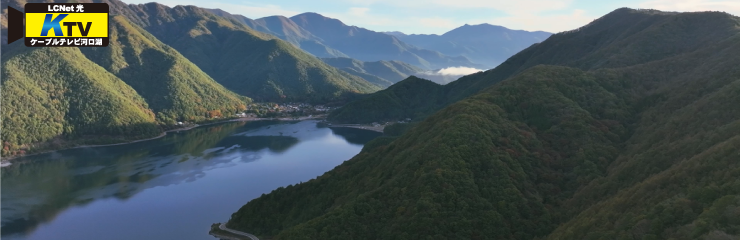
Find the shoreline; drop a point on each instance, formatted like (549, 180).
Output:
(361, 126)
(235, 235)
(6, 160)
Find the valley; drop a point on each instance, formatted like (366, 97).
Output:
(377, 120)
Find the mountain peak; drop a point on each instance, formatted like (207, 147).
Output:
(312, 18)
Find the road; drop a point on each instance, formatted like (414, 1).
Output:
(240, 233)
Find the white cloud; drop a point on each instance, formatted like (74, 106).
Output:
(730, 6)
(447, 75)
(457, 71)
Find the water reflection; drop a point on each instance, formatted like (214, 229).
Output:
(354, 135)
(39, 187)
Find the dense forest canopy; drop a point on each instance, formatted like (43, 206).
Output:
(635, 135)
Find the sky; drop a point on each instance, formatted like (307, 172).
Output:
(440, 16)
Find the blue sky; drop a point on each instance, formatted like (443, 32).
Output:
(439, 16)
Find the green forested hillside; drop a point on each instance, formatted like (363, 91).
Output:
(49, 93)
(645, 147)
(411, 98)
(103, 95)
(243, 60)
(175, 88)
(622, 38)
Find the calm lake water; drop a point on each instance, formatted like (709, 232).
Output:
(169, 188)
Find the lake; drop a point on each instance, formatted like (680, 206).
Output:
(173, 187)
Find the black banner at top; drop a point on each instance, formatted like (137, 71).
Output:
(67, 8)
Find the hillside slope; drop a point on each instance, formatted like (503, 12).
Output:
(644, 149)
(411, 98)
(243, 60)
(622, 38)
(128, 90)
(57, 93)
(173, 87)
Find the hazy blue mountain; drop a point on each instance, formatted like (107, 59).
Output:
(390, 71)
(367, 45)
(484, 44)
(328, 37)
(287, 30)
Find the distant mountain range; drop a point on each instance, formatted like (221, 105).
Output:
(484, 44)
(327, 37)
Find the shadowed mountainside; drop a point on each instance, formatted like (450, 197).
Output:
(620, 144)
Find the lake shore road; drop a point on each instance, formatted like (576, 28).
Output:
(240, 233)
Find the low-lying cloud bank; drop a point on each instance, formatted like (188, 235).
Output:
(460, 71)
(447, 75)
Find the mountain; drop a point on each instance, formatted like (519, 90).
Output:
(389, 72)
(484, 44)
(626, 145)
(625, 39)
(366, 45)
(125, 91)
(174, 88)
(243, 60)
(285, 29)
(328, 38)
(411, 98)
(51, 94)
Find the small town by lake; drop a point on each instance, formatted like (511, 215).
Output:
(172, 187)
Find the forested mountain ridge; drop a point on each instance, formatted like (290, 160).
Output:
(53, 92)
(624, 37)
(243, 60)
(173, 87)
(103, 95)
(628, 145)
(411, 98)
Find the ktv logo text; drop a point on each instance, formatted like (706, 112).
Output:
(66, 24)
